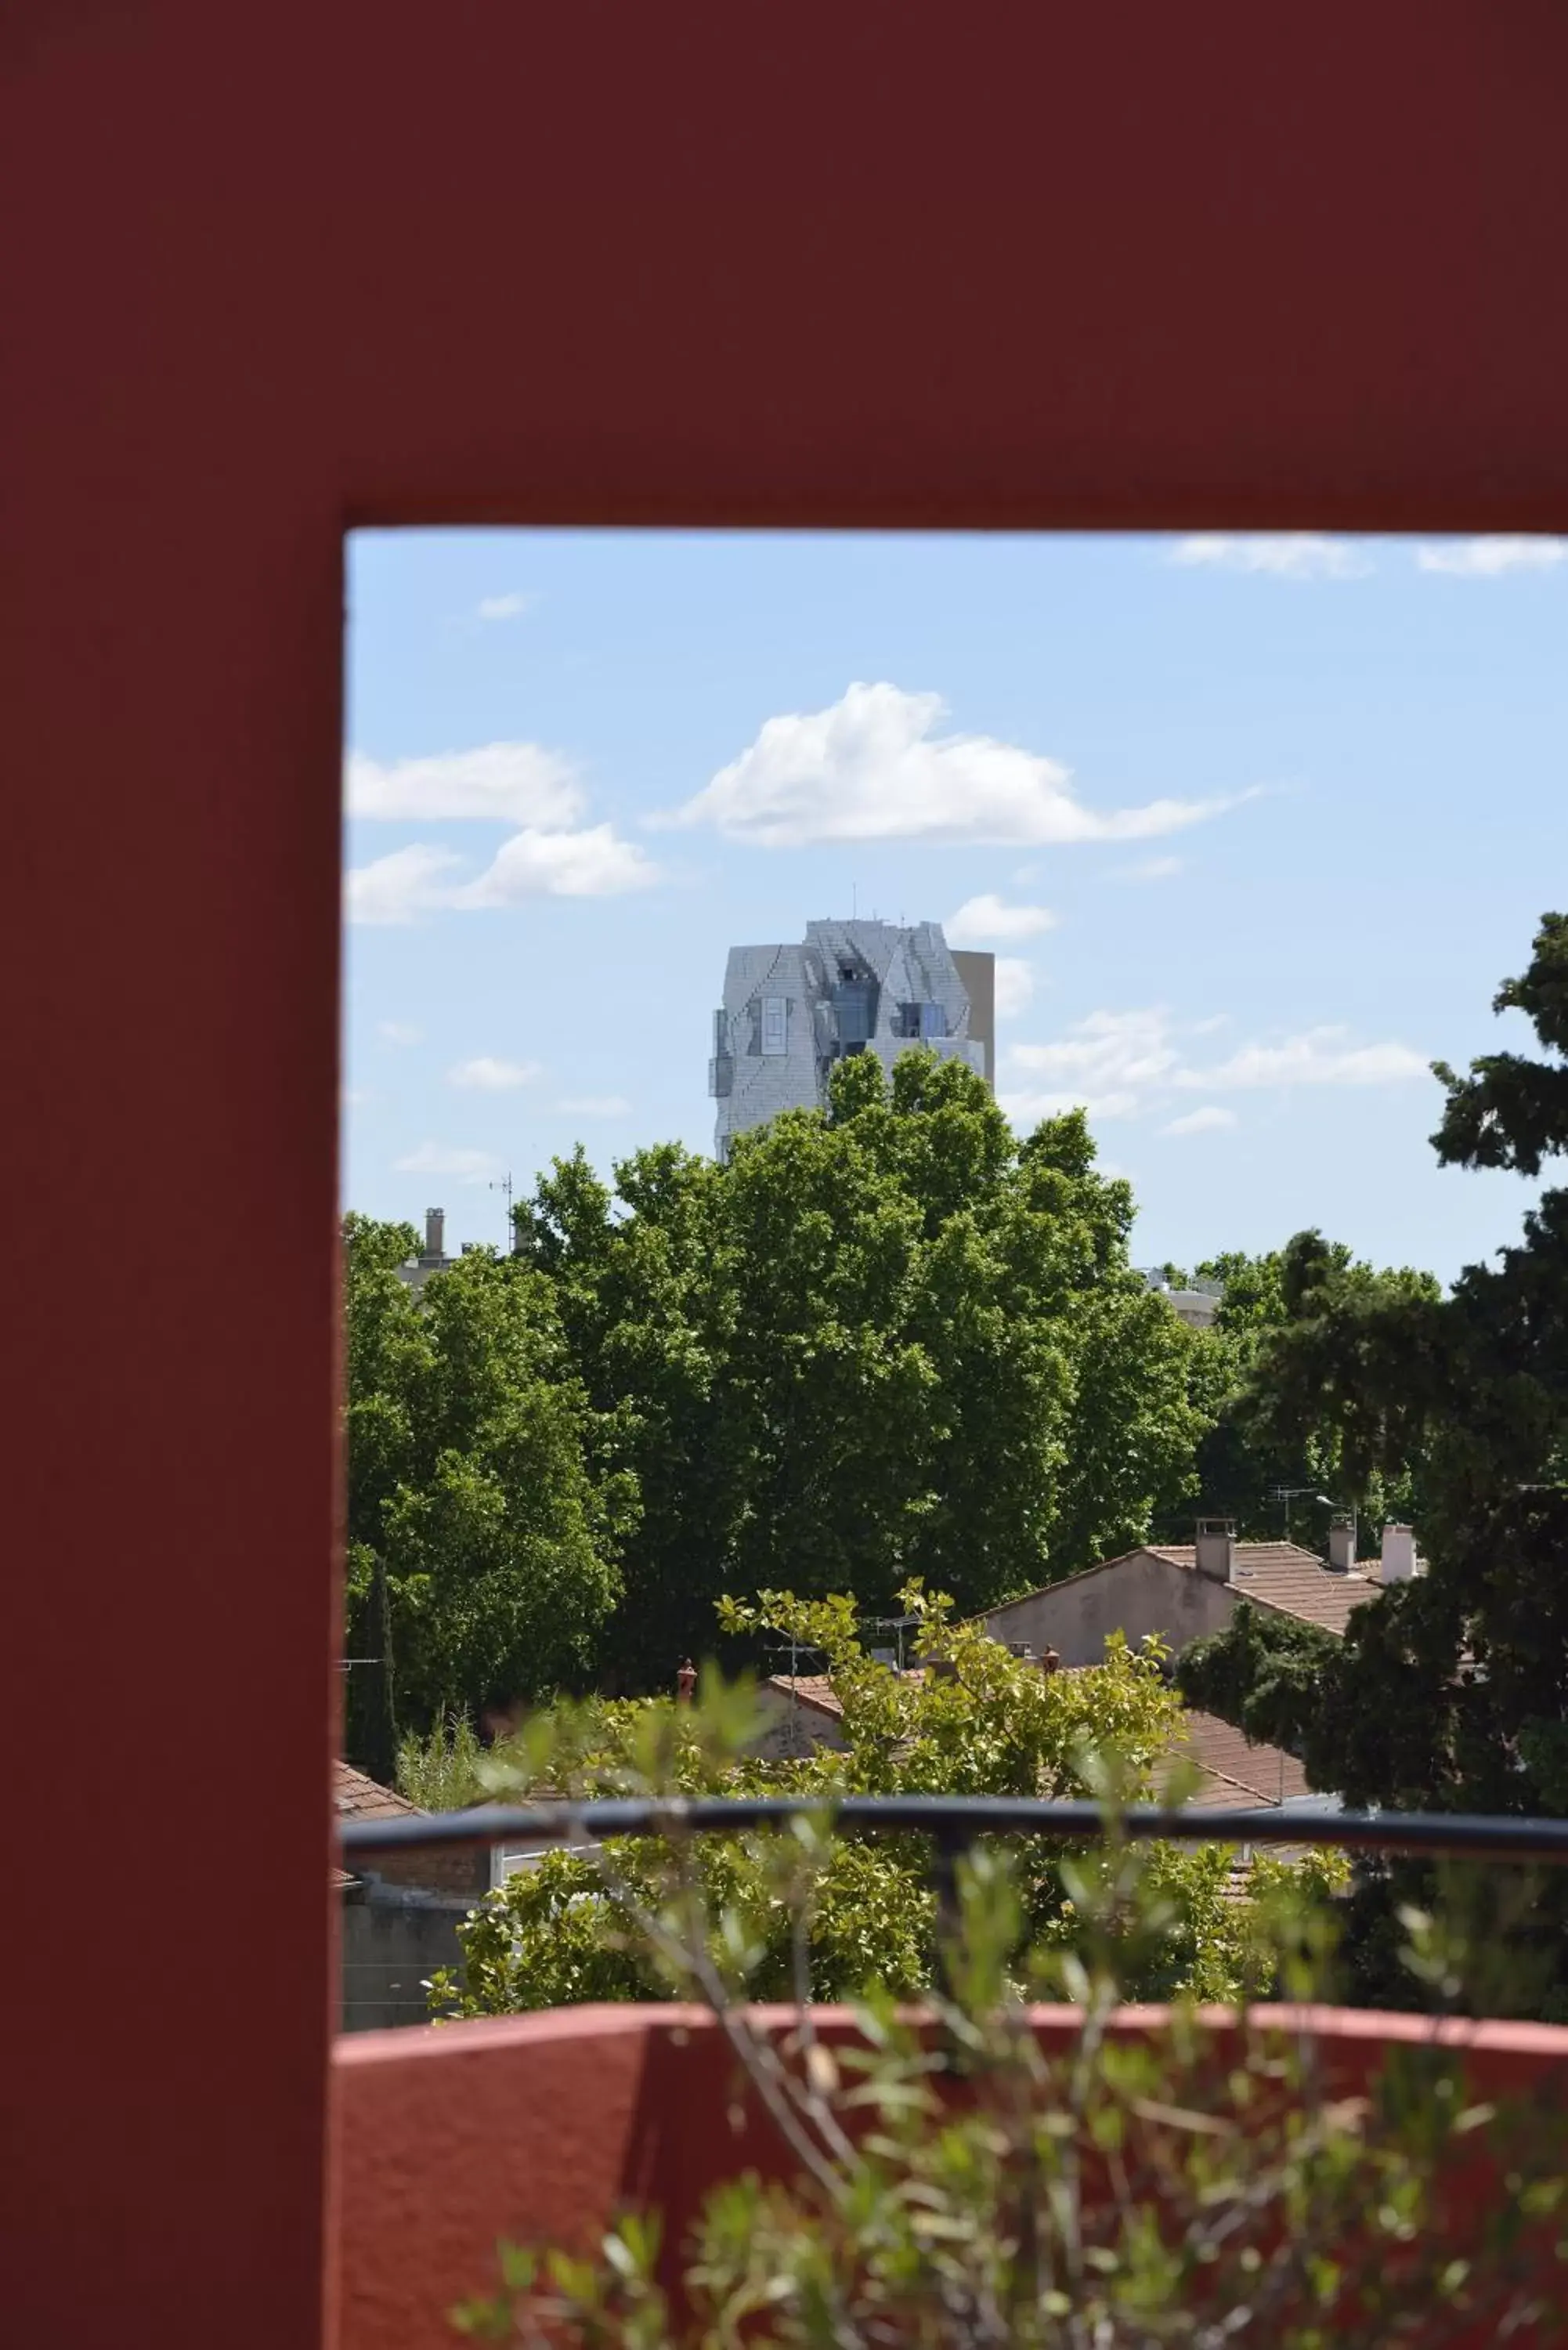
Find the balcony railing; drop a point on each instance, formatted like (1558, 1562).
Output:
(954, 1822)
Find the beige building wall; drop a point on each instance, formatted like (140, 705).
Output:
(1138, 1596)
(794, 1727)
(977, 975)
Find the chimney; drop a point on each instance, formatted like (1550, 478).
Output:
(1398, 1553)
(1216, 1556)
(1341, 1543)
(436, 1231)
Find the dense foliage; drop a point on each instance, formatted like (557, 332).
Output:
(891, 1340)
(885, 1341)
(945, 2178)
(1449, 1691)
(1246, 1455)
(839, 1916)
(484, 1531)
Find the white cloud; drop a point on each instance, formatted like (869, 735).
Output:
(980, 918)
(400, 1031)
(1281, 554)
(1120, 1064)
(1105, 1066)
(501, 782)
(356, 1097)
(400, 888)
(1207, 1120)
(436, 1158)
(1321, 1057)
(412, 883)
(1014, 986)
(511, 607)
(1152, 868)
(1029, 1106)
(486, 1075)
(874, 766)
(596, 1106)
(595, 863)
(1490, 558)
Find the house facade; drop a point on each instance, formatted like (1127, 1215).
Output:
(1181, 1592)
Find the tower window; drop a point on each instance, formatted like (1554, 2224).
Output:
(776, 1023)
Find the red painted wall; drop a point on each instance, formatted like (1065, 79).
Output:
(537, 2128)
(268, 273)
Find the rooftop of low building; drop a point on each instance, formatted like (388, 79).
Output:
(1278, 1575)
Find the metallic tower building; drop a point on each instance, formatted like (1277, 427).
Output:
(791, 1011)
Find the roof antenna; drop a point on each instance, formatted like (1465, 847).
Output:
(504, 1187)
(853, 902)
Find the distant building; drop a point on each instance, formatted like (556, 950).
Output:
(1197, 1304)
(1184, 1591)
(432, 1258)
(791, 1011)
(401, 1916)
(415, 1271)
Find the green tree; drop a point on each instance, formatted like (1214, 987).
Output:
(965, 2174)
(1251, 1448)
(482, 1544)
(1448, 1692)
(978, 1721)
(646, 1297)
(882, 1340)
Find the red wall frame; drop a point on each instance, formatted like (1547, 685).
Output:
(269, 274)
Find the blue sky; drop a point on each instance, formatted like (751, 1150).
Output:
(1257, 823)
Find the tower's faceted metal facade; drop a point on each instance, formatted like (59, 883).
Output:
(791, 1011)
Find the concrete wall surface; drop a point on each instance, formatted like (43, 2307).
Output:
(391, 1940)
(1138, 1596)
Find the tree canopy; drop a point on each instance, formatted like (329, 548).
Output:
(483, 1535)
(891, 1338)
(1448, 1692)
(976, 1720)
(1253, 1446)
(884, 1340)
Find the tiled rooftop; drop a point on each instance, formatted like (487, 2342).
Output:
(355, 1797)
(1237, 1771)
(1282, 1575)
(807, 1689)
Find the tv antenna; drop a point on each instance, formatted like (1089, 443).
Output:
(503, 1185)
(1286, 1494)
(897, 1624)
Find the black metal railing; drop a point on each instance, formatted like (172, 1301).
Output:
(953, 1823)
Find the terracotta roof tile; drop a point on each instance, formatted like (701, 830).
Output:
(1212, 1794)
(356, 1797)
(1285, 1576)
(1226, 1757)
(807, 1689)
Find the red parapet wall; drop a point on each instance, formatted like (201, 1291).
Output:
(538, 2127)
(271, 274)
